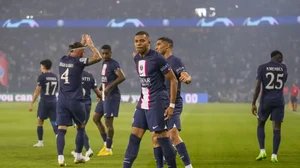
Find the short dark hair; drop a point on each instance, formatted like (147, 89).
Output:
(167, 39)
(76, 45)
(142, 33)
(46, 63)
(276, 52)
(106, 47)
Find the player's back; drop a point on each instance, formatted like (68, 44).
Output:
(49, 86)
(70, 72)
(151, 70)
(88, 83)
(108, 75)
(177, 67)
(273, 76)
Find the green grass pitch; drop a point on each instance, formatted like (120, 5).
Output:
(217, 136)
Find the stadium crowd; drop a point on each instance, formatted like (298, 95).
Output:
(222, 61)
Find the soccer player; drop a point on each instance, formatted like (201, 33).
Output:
(88, 83)
(112, 76)
(164, 46)
(47, 88)
(70, 99)
(272, 76)
(155, 105)
(294, 95)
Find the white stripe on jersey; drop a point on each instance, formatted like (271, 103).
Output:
(146, 98)
(104, 69)
(103, 88)
(103, 84)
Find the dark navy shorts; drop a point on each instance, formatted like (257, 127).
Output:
(109, 107)
(69, 111)
(47, 109)
(174, 121)
(276, 112)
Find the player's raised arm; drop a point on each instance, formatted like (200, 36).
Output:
(96, 54)
(36, 93)
(256, 91)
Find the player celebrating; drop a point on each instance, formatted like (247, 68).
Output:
(112, 76)
(88, 83)
(272, 76)
(164, 46)
(70, 99)
(155, 105)
(47, 88)
(294, 95)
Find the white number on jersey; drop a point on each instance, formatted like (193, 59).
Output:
(83, 92)
(48, 84)
(65, 76)
(278, 84)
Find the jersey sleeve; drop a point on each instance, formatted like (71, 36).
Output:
(40, 80)
(259, 73)
(82, 62)
(163, 65)
(94, 82)
(115, 66)
(178, 67)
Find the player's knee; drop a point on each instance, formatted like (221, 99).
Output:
(276, 125)
(138, 132)
(62, 127)
(261, 123)
(154, 141)
(174, 135)
(96, 118)
(40, 122)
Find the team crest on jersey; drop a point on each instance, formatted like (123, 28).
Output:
(142, 68)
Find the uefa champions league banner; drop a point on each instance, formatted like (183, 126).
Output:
(188, 98)
(137, 22)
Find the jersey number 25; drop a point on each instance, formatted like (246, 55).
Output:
(274, 83)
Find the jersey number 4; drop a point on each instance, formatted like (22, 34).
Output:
(53, 86)
(274, 83)
(65, 76)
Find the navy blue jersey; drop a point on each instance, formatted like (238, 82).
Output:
(177, 67)
(151, 70)
(88, 83)
(49, 85)
(70, 72)
(109, 68)
(273, 76)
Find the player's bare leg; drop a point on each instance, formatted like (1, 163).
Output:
(133, 146)
(109, 140)
(276, 139)
(79, 158)
(166, 145)
(97, 120)
(180, 146)
(261, 140)
(40, 132)
(60, 144)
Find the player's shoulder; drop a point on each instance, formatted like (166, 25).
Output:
(174, 58)
(113, 61)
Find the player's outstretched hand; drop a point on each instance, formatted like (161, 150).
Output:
(169, 112)
(89, 41)
(254, 110)
(30, 107)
